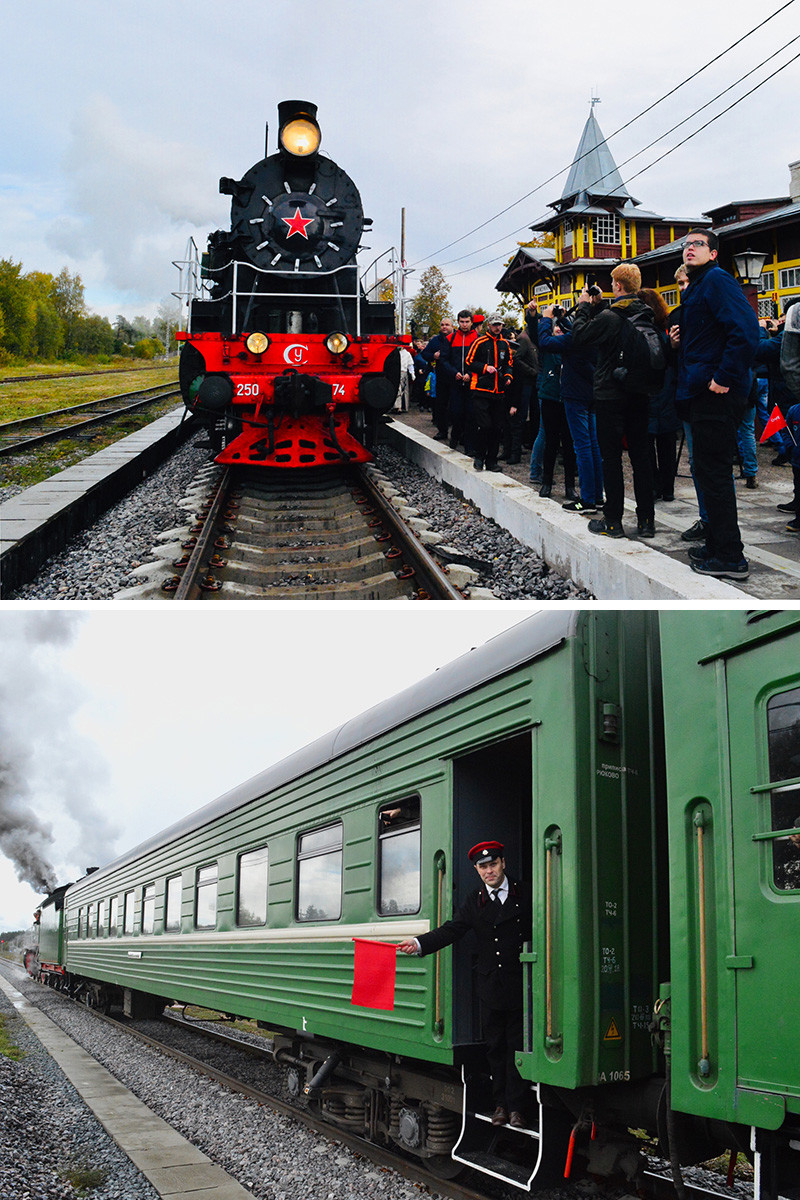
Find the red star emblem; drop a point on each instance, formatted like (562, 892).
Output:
(297, 224)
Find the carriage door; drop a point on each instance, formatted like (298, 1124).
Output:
(491, 800)
(764, 726)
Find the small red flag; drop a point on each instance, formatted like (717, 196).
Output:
(374, 967)
(776, 421)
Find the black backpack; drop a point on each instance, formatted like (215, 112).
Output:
(641, 364)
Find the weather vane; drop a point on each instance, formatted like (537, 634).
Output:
(594, 99)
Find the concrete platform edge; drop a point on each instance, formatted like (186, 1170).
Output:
(103, 478)
(610, 570)
(170, 1163)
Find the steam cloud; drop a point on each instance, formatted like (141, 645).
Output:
(44, 761)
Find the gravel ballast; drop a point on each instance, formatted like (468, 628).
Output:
(47, 1128)
(97, 563)
(271, 1155)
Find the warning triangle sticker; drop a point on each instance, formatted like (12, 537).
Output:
(612, 1034)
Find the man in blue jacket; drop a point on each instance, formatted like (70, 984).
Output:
(717, 340)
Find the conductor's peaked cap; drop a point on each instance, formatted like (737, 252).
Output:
(486, 851)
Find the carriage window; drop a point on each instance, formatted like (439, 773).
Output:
(319, 874)
(130, 907)
(252, 888)
(112, 917)
(206, 902)
(80, 922)
(172, 920)
(92, 921)
(101, 919)
(148, 908)
(399, 848)
(783, 728)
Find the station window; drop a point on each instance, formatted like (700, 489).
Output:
(319, 874)
(251, 887)
(399, 857)
(172, 916)
(101, 919)
(783, 730)
(606, 229)
(206, 897)
(130, 908)
(112, 917)
(148, 908)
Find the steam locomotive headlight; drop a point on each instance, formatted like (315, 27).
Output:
(257, 343)
(300, 137)
(337, 343)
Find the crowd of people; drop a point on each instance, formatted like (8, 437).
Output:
(626, 376)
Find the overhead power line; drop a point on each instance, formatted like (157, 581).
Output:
(655, 141)
(661, 157)
(616, 132)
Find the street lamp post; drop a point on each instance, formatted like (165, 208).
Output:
(749, 265)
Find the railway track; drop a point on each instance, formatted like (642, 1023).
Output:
(16, 437)
(333, 536)
(12, 379)
(657, 1185)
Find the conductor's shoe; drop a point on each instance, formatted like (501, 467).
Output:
(695, 533)
(516, 1120)
(500, 1115)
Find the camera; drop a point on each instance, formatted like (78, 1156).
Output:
(594, 290)
(558, 312)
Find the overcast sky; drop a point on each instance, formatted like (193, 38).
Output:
(117, 121)
(116, 723)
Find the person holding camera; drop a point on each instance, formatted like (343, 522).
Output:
(622, 415)
(577, 376)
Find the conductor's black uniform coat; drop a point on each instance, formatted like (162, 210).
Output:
(500, 931)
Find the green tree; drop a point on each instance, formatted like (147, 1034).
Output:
(18, 306)
(94, 335)
(431, 302)
(69, 302)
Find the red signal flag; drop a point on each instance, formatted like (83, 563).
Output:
(776, 421)
(374, 967)
(298, 224)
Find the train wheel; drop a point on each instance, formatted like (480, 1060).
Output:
(443, 1166)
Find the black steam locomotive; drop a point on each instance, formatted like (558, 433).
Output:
(285, 358)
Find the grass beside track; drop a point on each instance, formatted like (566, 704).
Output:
(7, 1047)
(42, 395)
(39, 396)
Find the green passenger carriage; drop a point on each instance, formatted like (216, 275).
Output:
(642, 770)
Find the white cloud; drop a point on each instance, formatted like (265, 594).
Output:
(132, 199)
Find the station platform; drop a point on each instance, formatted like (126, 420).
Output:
(38, 523)
(629, 569)
(171, 1164)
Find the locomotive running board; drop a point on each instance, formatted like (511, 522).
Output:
(513, 1155)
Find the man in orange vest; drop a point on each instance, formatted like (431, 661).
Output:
(489, 364)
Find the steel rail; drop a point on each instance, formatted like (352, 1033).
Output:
(67, 431)
(376, 1154)
(425, 577)
(428, 572)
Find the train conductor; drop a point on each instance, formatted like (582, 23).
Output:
(499, 912)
